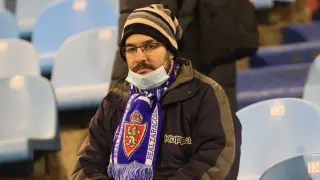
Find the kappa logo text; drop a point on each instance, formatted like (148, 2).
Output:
(178, 140)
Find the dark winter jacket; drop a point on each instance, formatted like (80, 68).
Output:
(200, 135)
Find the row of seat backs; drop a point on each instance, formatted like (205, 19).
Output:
(27, 12)
(86, 58)
(66, 18)
(294, 80)
(301, 43)
(61, 20)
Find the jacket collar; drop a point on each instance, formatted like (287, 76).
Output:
(180, 90)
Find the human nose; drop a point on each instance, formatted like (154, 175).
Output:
(140, 56)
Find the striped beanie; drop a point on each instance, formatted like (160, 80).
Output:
(156, 21)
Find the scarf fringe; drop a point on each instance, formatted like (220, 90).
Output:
(132, 171)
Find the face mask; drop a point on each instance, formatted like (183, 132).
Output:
(150, 80)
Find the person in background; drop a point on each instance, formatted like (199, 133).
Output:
(316, 13)
(164, 120)
(10, 5)
(218, 33)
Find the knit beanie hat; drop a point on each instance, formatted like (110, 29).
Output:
(156, 21)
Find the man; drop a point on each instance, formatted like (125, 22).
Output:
(218, 33)
(164, 120)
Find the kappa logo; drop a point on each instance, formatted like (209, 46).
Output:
(134, 133)
(177, 140)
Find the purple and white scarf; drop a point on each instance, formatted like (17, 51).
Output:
(136, 141)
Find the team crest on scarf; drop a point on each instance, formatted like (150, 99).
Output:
(133, 133)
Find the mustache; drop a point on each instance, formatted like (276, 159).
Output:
(142, 65)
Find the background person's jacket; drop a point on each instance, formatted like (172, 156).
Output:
(217, 33)
(200, 136)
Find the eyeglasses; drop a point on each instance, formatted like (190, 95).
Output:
(130, 51)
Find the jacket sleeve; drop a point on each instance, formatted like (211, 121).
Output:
(93, 156)
(216, 141)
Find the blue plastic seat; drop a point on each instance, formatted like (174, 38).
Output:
(301, 32)
(9, 27)
(115, 4)
(18, 57)
(301, 167)
(262, 4)
(285, 1)
(27, 12)
(274, 130)
(260, 84)
(2, 6)
(28, 118)
(312, 88)
(66, 18)
(285, 54)
(82, 70)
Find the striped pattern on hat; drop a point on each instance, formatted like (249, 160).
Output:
(155, 21)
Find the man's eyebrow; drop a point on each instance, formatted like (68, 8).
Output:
(145, 42)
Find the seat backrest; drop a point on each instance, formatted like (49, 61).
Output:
(27, 108)
(69, 17)
(9, 27)
(262, 4)
(299, 167)
(28, 11)
(285, 54)
(86, 58)
(301, 32)
(312, 88)
(115, 4)
(277, 129)
(18, 57)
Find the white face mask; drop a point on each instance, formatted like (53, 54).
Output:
(150, 80)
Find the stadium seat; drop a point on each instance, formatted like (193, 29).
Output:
(9, 27)
(28, 119)
(271, 82)
(312, 88)
(27, 11)
(82, 70)
(274, 130)
(304, 166)
(285, 1)
(262, 4)
(115, 4)
(66, 18)
(2, 6)
(301, 32)
(285, 54)
(18, 57)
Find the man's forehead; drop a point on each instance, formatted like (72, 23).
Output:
(138, 39)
